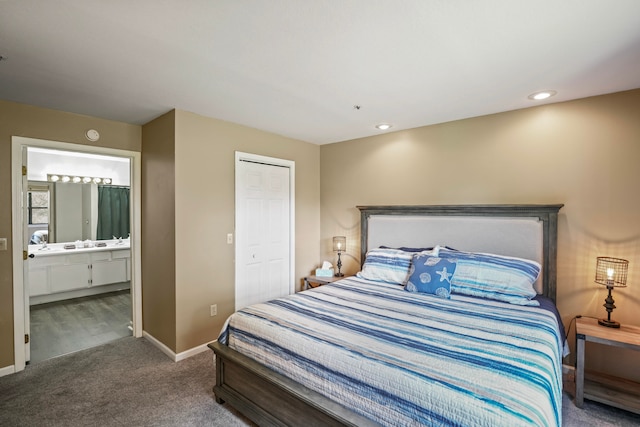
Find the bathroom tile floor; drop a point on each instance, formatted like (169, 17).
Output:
(67, 326)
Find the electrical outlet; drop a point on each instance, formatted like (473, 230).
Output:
(229, 239)
(3, 244)
(214, 309)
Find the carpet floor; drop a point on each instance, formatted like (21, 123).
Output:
(129, 382)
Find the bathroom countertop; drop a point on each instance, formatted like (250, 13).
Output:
(58, 248)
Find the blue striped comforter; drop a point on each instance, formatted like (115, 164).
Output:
(403, 359)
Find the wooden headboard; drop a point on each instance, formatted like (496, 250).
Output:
(526, 231)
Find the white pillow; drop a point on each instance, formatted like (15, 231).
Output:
(497, 277)
(387, 265)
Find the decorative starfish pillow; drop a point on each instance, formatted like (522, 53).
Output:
(430, 275)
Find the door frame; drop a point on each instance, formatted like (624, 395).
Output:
(272, 161)
(19, 244)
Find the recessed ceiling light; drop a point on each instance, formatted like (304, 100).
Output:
(544, 94)
(383, 126)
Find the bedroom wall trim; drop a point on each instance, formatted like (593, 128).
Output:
(176, 357)
(193, 351)
(547, 214)
(163, 348)
(7, 370)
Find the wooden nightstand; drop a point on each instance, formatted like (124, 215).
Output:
(606, 389)
(319, 281)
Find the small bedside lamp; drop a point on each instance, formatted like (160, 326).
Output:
(339, 245)
(611, 272)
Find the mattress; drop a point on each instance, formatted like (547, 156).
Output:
(403, 359)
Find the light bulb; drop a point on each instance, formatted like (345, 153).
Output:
(539, 96)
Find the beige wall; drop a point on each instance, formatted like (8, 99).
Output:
(584, 154)
(202, 157)
(33, 122)
(187, 194)
(158, 229)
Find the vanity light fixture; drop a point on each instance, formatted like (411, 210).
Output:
(544, 94)
(77, 179)
(383, 126)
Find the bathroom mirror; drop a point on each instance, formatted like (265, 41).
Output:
(66, 202)
(66, 212)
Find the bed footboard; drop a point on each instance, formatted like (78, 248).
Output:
(270, 399)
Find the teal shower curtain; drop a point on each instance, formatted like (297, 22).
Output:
(113, 212)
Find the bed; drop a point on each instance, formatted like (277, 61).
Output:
(426, 360)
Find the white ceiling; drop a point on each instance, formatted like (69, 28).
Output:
(298, 67)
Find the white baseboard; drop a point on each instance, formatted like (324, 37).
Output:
(166, 350)
(192, 352)
(175, 357)
(7, 370)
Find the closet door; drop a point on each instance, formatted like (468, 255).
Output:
(263, 232)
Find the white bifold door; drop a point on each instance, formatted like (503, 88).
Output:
(263, 229)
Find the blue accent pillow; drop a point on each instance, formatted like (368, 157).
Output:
(431, 275)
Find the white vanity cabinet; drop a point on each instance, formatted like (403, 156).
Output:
(59, 275)
(108, 267)
(74, 272)
(39, 276)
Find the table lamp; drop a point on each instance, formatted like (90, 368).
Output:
(611, 272)
(339, 245)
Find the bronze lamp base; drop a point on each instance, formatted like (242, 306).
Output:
(609, 323)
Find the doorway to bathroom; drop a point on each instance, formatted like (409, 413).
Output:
(67, 299)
